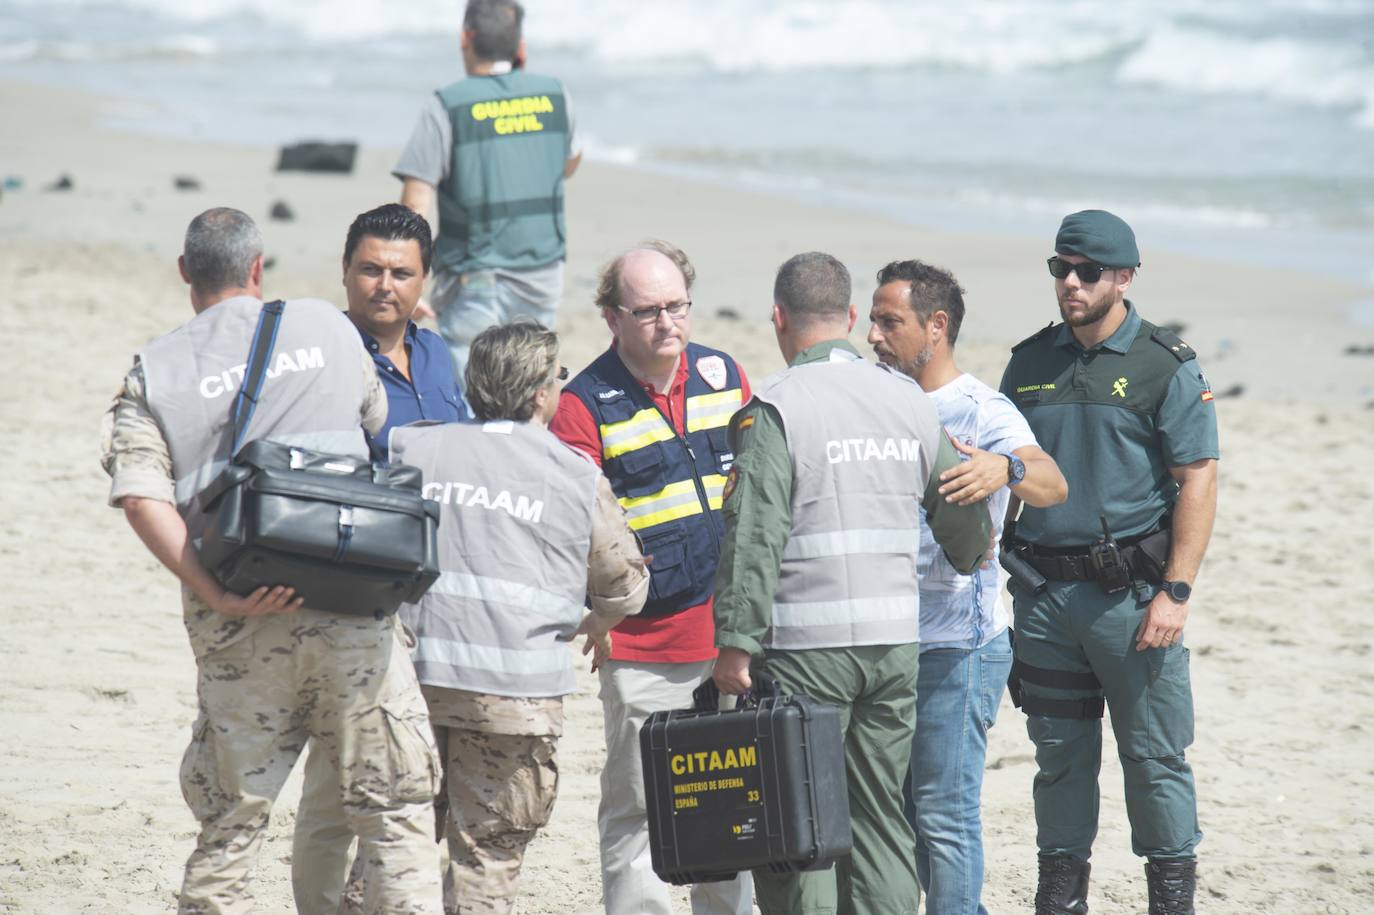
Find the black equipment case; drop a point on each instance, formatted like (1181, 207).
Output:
(761, 786)
(349, 535)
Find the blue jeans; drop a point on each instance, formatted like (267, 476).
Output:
(957, 694)
(469, 303)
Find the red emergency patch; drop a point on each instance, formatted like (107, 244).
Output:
(731, 479)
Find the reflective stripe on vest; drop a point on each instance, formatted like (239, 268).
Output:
(516, 509)
(842, 584)
(655, 472)
(312, 397)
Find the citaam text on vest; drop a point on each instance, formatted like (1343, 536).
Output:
(469, 495)
(513, 115)
(837, 451)
(212, 386)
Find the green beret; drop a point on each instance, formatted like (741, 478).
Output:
(1099, 236)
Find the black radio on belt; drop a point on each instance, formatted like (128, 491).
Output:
(1109, 566)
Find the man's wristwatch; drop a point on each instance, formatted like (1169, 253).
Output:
(1178, 591)
(1016, 470)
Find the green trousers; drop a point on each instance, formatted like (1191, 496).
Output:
(1077, 627)
(875, 689)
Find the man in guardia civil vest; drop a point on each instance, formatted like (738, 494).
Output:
(492, 151)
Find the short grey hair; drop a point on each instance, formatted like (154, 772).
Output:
(507, 365)
(608, 283)
(813, 287)
(495, 27)
(221, 245)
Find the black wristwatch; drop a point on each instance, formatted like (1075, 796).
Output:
(1016, 470)
(1178, 591)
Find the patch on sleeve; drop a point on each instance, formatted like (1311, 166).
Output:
(744, 423)
(1206, 388)
(731, 479)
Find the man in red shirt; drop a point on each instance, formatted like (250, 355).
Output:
(653, 411)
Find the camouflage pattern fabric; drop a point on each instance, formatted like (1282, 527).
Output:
(347, 684)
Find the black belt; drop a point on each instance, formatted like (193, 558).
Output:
(1074, 563)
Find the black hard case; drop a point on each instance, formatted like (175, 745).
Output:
(783, 805)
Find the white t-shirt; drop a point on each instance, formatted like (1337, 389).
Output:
(966, 611)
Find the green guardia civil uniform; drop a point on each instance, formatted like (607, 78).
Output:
(1116, 417)
(817, 576)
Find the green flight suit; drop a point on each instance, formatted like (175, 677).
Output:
(873, 685)
(1116, 418)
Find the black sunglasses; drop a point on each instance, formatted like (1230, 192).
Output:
(1087, 272)
(562, 373)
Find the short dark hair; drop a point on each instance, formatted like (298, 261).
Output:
(813, 286)
(932, 289)
(220, 247)
(390, 222)
(495, 27)
(608, 283)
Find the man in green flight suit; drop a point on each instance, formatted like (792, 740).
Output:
(1102, 596)
(817, 574)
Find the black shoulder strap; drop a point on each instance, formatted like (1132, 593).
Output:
(1035, 336)
(255, 373)
(1170, 341)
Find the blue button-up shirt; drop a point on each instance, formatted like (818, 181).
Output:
(431, 392)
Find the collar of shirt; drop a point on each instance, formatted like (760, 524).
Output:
(374, 347)
(820, 352)
(1119, 342)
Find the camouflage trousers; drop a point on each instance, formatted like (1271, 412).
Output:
(347, 685)
(499, 790)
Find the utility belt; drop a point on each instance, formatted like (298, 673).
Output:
(1113, 564)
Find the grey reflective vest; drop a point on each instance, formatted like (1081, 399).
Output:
(501, 204)
(515, 530)
(313, 395)
(862, 441)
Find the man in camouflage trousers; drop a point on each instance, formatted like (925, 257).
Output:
(271, 672)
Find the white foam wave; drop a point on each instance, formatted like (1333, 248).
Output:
(1285, 69)
(168, 46)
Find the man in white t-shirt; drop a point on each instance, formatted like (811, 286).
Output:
(965, 646)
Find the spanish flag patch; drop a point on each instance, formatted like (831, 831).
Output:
(1206, 396)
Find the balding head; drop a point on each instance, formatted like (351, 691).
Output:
(648, 262)
(221, 257)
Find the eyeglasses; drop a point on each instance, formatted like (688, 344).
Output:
(676, 311)
(1088, 272)
(561, 374)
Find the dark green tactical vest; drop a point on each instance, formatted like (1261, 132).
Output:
(502, 202)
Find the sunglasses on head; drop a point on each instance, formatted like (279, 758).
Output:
(1087, 272)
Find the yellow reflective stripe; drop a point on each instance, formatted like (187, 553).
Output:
(676, 500)
(711, 411)
(715, 489)
(640, 430)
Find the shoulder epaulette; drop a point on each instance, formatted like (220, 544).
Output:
(1170, 341)
(1035, 336)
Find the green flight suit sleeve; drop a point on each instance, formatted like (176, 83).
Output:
(758, 519)
(963, 531)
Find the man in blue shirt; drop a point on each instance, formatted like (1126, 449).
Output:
(385, 262)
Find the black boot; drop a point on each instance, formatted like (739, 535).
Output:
(1063, 888)
(1171, 882)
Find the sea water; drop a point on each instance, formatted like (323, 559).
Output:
(1240, 129)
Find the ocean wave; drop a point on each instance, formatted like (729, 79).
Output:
(168, 47)
(1285, 69)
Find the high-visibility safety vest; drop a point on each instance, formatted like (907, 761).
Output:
(862, 440)
(516, 508)
(670, 485)
(501, 204)
(312, 397)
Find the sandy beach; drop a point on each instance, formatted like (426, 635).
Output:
(97, 682)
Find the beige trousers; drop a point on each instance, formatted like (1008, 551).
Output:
(347, 685)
